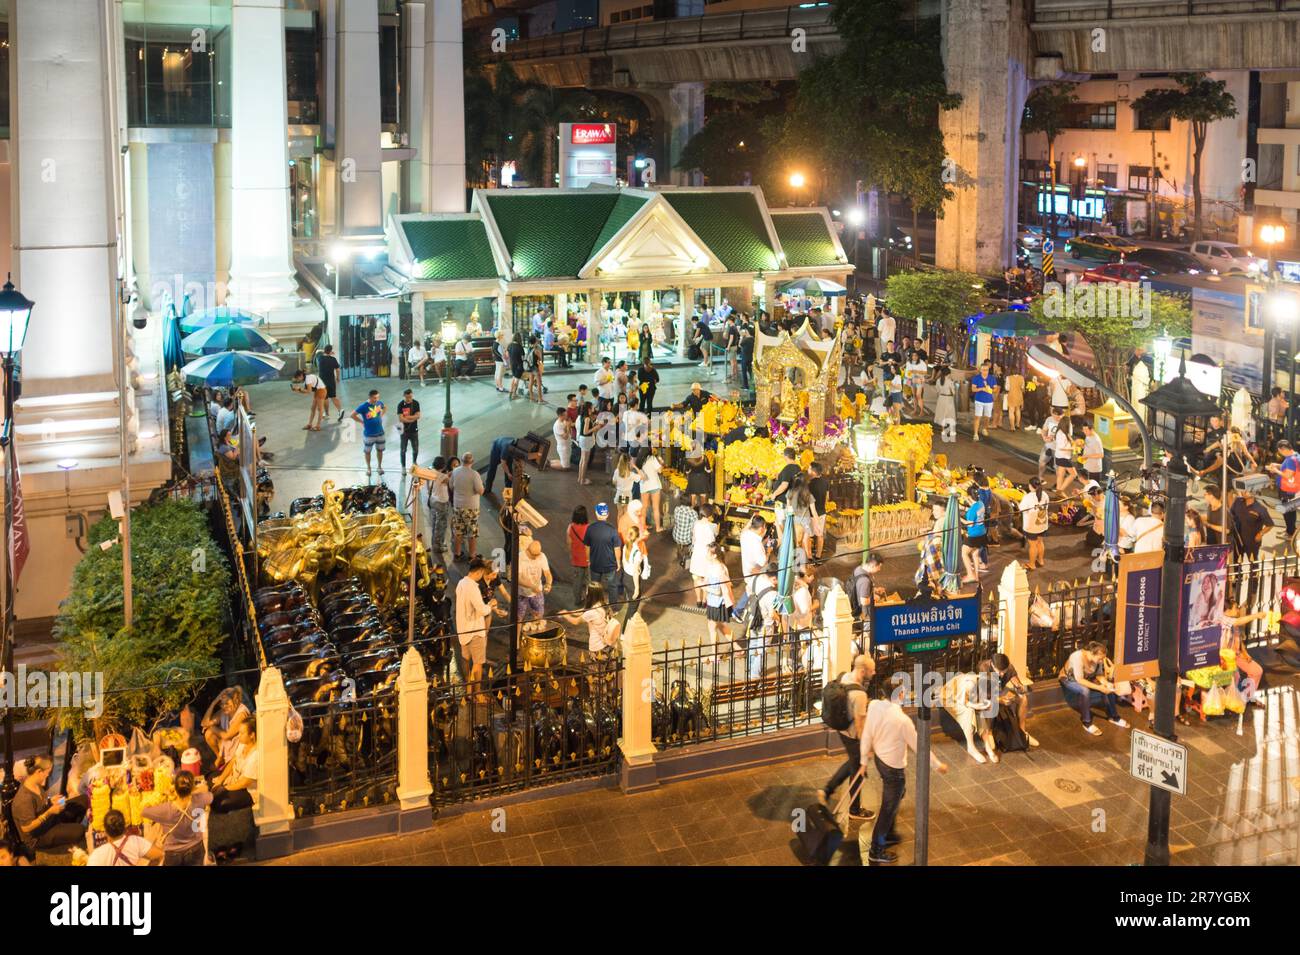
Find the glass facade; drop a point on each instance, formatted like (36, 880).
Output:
(177, 62)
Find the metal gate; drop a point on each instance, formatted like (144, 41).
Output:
(361, 353)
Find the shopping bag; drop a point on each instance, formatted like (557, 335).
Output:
(1233, 701)
(1213, 703)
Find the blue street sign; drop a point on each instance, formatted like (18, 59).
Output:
(1048, 246)
(925, 620)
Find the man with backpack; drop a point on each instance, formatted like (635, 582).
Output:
(760, 619)
(862, 590)
(844, 709)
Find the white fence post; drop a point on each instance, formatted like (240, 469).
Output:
(838, 620)
(273, 812)
(413, 786)
(638, 694)
(1013, 598)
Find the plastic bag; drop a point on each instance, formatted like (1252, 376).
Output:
(293, 726)
(1213, 702)
(1233, 701)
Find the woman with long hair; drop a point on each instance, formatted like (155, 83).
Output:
(652, 488)
(1195, 529)
(703, 536)
(1063, 448)
(945, 408)
(625, 475)
(586, 436)
(719, 600)
(804, 507)
(499, 361)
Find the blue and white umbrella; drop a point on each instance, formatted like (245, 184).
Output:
(1110, 521)
(227, 337)
(786, 568)
(229, 368)
(221, 315)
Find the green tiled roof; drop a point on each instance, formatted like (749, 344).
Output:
(730, 224)
(448, 249)
(555, 235)
(805, 239)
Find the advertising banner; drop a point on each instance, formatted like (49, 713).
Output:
(1205, 583)
(1137, 616)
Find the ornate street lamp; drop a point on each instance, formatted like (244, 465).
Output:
(866, 448)
(1179, 417)
(15, 313)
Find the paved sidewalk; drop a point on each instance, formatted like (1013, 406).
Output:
(1070, 802)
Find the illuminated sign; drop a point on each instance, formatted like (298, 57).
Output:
(592, 134)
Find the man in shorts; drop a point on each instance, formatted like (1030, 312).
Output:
(370, 414)
(466, 491)
(981, 393)
(327, 367)
(472, 617)
(313, 385)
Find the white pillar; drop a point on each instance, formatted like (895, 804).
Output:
(685, 311)
(636, 743)
(64, 210)
(413, 104)
(261, 267)
(442, 147)
(1013, 595)
(505, 320)
(417, 317)
(357, 147)
(413, 786)
(595, 320)
(273, 812)
(839, 626)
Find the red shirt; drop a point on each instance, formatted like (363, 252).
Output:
(577, 549)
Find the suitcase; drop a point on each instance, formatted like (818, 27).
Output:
(823, 833)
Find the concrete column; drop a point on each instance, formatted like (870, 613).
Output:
(261, 268)
(684, 313)
(64, 208)
(329, 67)
(413, 786)
(1013, 594)
(638, 686)
(595, 321)
(838, 615)
(442, 147)
(274, 812)
(561, 306)
(505, 321)
(987, 56)
(681, 107)
(357, 146)
(413, 104)
(418, 328)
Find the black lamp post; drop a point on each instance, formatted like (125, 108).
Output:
(1178, 417)
(15, 312)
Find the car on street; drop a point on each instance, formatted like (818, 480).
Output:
(1094, 245)
(1166, 261)
(1225, 258)
(1122, 273)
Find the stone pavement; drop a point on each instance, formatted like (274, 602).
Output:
(1070, 802)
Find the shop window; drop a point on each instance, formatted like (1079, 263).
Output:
(301, 73)
(1139, 178)
(1108, 174)
(1142, 119)
(1090, 116)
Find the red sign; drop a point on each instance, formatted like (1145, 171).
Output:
(20, 544)
(593, 134)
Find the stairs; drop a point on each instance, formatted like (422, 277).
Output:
(33, 648)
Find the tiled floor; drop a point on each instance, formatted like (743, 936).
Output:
(1070, 802)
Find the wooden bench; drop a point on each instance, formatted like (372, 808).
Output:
(786, 683)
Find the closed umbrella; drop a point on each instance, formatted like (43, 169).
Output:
(227, 337)
(816, 288)
(951, 534)
(221, 315)
(173, 352)
(785, 563)
(229, 368)
(1110, 521)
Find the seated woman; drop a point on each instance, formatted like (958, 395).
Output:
(235, 788)
(183, 821)
(222, 721)
(962, 699)
(122, 849)
(1250, 675)
(1084, 684)
(1011, 722)
(41, 822)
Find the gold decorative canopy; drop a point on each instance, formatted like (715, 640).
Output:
(788, 363)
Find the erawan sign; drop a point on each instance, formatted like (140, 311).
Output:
(588, 154)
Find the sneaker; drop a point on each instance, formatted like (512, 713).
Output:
(1091, 730)
(862, 815)
(881, 856)
(1032, 742)
(1122, 724)
(340, 416)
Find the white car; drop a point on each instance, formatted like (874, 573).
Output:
(1222, 257)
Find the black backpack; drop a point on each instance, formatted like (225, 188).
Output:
(836, 711)
(754, 613)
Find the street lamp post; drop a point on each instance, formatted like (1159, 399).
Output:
(1179, 416)
(449, 434)
(15, 312)
(1272, 236)
(1080, 165)
(866, 445)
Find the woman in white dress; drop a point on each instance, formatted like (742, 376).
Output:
(703, 536)
(945, 409)
(651, 488)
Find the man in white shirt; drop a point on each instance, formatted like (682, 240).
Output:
(1149, 530)
(1048, 433)
(636, 426)
(753, 551)
(417, 361)
(1035, 518)
(604, 381)
(464, 353)
(535, 581)
(472, 615)
(885, 331)
(121, 849)
(886, 737)
(1094, 455)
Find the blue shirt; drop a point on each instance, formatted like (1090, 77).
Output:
(1288, 465)
(602, 540)
(978, 383)
(975, 519)
(372, 418)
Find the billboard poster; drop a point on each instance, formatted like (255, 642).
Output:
(1137, 624)
(1205, 584)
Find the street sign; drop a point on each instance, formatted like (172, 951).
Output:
(1048, 247)
(1158, 762)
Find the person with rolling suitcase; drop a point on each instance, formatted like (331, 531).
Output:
(844, 709)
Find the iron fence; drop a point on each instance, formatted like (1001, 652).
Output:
(524, 730)
(707, 692)
(1063, 619)
(346, 757)
(1256, 586)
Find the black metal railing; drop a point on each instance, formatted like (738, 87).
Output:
(1065, 619)
(524, 730)
(347, 756)
(706, 692)
(1257, 587)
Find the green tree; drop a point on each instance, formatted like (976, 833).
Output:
(1197, 100)
(181, 590)
(733, 141)
(945, 298)
(1047, 111)
(1111, 332)
(540, 111)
